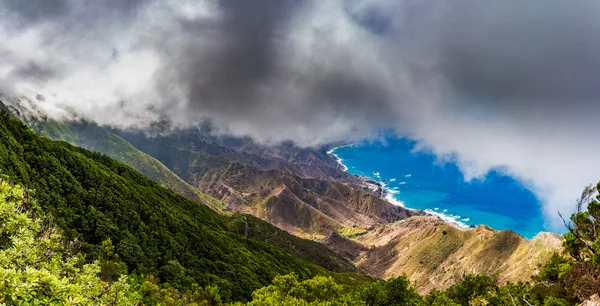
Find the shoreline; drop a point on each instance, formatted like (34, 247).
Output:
(379, 188)
(337, 158)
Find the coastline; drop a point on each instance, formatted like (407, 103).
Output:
(378, 187)
(337, 158)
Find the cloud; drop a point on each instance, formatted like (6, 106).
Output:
(510, 85)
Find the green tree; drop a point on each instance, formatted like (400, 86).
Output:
(288, 290)
(553, 301)
(475, 289)
(111, 266)
(395, 291)
(37, 266)
(582, 243)
(442, 300)
(550, 281)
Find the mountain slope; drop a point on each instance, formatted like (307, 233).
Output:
(302, 162)
(93, 197)
(436, 255)
(284, 203)
(300, 205)
(89, 135)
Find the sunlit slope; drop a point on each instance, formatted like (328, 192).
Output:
(436, 255)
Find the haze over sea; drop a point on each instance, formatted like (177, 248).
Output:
(416, 179)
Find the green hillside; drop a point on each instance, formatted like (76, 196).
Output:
(93, 197)
(95, 138)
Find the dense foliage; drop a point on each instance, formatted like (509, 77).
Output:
(92, 198)
(38, 266)
(91, 136)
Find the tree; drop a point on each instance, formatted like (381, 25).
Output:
(396, 291)
(475, 289)
(582, 243)
(111, 266)
(288, 290)
(37, 266)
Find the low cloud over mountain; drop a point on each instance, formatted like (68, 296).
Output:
(511, 85)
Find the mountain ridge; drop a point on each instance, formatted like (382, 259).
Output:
(422, 247)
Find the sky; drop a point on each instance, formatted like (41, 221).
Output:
(507, 85)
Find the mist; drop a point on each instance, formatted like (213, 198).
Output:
(510, 86)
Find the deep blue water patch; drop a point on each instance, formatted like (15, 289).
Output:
(416, 179)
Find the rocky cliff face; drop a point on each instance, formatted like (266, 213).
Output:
(436, 255)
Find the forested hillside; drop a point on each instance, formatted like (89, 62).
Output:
(192, 164)
(90, 136)
(92, 198)
(39, 266)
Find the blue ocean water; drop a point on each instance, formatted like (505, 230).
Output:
(417, 180)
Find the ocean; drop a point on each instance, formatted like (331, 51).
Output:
(417, 180)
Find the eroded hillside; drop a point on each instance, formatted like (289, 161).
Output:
(436, 255)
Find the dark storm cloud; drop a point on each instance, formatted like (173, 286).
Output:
(490, 83)
(242, 69)
(229, 77)
(36, 10)
(543, 53)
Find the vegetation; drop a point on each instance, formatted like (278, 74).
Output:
(93, 198)
(93, 137)
(40, 268)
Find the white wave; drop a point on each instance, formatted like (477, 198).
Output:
(395, 188)
(332, 150)
(437, 208)
(392, 180)
(390, 198)
(402, 183)
(393, 191)
(408, 175)
(445, 210)
(466, 219)
(447, 219)
(341, 162)
(337, 157)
